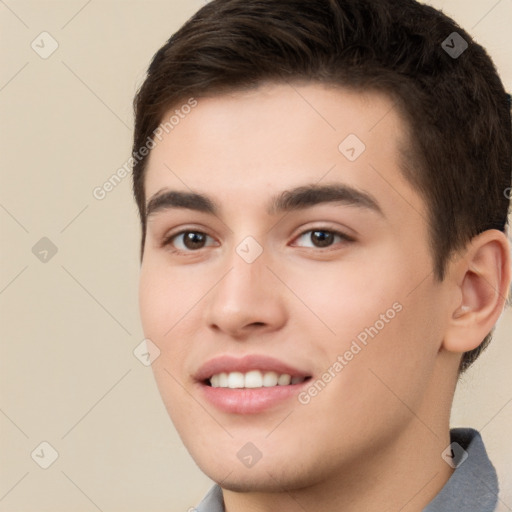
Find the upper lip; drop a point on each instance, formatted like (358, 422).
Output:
(227, 364)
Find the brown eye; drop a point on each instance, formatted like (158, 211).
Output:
(321, 238)
(193, 240)
(187, 241)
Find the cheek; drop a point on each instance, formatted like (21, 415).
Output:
(161, 305)
(378, 376)
(346, 296)
(165, 296)
(153, 296)
(170, 307)
(396, 363)
(381, 321)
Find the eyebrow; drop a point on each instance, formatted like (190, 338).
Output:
(297, 198)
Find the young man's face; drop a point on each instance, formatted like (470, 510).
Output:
(267, 287)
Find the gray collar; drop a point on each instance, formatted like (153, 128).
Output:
(213, 501)
(473, 486)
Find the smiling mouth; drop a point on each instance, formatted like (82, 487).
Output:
(253, 379)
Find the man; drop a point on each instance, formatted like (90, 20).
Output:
(322, 191)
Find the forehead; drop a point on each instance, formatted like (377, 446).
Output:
(247, 145)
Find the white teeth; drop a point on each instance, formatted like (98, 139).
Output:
(270, 379)
(284, 379)
(252, 379)
(236, 380)
(223, 380)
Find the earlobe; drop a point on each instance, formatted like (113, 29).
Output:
(483, 282)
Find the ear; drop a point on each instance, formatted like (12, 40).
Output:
(482, 276)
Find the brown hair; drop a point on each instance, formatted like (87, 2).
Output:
(455, 105)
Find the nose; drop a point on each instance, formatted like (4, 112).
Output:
(249, 299)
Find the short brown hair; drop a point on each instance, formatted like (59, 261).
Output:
(455, 105)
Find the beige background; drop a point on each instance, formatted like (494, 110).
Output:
(68, 375)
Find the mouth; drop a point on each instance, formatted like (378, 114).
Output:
(254, 379)
(251, 384)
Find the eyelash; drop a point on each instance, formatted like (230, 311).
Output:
(167, 242)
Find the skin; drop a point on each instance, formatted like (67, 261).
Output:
(372, 438)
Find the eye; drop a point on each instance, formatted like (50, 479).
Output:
(187, 241)
(320, 238)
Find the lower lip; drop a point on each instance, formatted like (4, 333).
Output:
(250, 400)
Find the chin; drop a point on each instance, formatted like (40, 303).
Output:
(266, 477)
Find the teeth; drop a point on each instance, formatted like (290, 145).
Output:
(253, 379)
(284, 379)
(236, 380)
(223, 380)
(270, 379)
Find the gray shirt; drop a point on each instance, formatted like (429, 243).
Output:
(473, 486)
